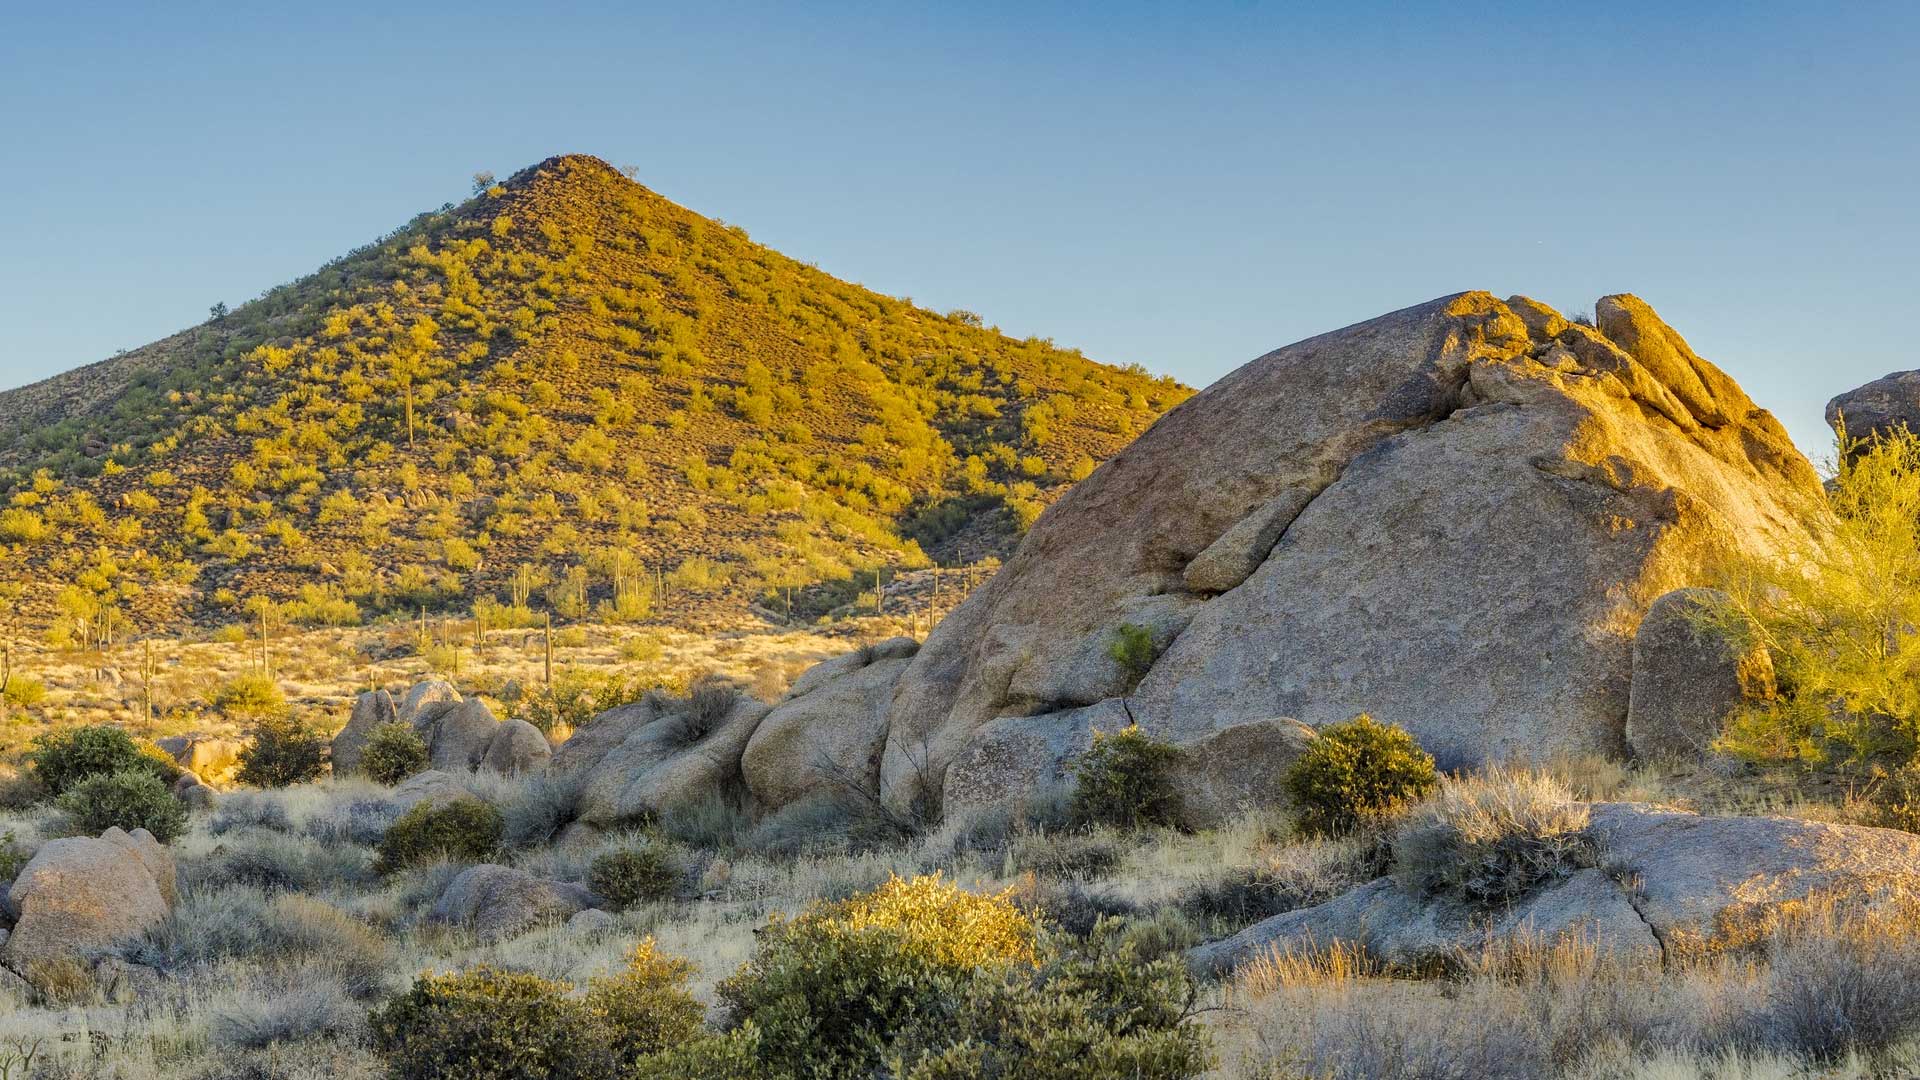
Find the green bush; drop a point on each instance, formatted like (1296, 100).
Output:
(1356, 774)
(1089, 1009)
(62, 759)
(634, 875)
(464, 830)
(1492, 837)
(644, 1009)
(486, 1023)
(24, 691)
(250, 697)
(1126, 780)
(132, 799)
(1838, 611)
(829, 988)
(1132, 648)
(394, 752)
(283, 751)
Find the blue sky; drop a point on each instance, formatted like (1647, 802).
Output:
(1185, 186)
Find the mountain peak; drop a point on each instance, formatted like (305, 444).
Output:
(566, 393)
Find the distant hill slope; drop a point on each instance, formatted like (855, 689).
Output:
(565, 394)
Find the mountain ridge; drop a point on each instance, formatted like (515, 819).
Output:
(564, 376)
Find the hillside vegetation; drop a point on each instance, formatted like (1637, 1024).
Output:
(565, 395)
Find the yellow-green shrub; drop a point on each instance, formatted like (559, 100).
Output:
(1126, 780)
(634, 875)
(1357, 773)
(394, 751)
(283, 751)
(133, 799)
(464, 830)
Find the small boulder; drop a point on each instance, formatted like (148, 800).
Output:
(78, 897)
(497, 902)
(517, 747)
(370, 710)
(1687, 679)
(592, 921)
(461, 735)
(1239, 768)
(432, 786)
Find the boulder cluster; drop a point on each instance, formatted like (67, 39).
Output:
(461, 734)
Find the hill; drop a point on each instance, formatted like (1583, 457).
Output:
(564, 394)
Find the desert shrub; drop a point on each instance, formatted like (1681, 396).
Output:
(828, 988)
(1090, 1008)
(252, 696)
(715, 821)
(709, 700)
(538, 805)
(1842, 986)
(644, 1009)
(278, 861)
(394, 751)
(465, 829)
(314, 1007)
(283, 751)
(634, 875)
(1296, 876)
(62, 759)
(1838, 614)
(1132, 648)
(133, 799)
(13, 856)
(1492, 837)
(726, 1056)
(23, 691)
(1357, 773)
(1074, 853)
(1126, 780)
(486, 1023)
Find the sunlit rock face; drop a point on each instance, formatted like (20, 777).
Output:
(1453, 517)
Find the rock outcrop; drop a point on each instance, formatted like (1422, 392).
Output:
(462, 734)
(1452, 517)
(670, 758)
(1885, 404)
(1687, 679)
(78, 897)
(213, 760)
(1671, 883)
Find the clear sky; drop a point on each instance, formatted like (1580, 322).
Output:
(1181, 185)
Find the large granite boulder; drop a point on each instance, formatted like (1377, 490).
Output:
(1885, 404)
(370, 710)
(1452, 517)
(497, 902)
(78, 897)
(824, 738)
(1688, 679)
(458, 738)
(674, 759)
(424, 703)
(1671, 885)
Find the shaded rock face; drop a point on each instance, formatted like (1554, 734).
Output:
(78, 897)
(825, 737)
(1885, 404)
(370, 710)
(1687, 680)
(517, 747)
(1218, 776)
(1452, 517)
(497, 902)
(652, 761)
(458, 737)
(1672, 882)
